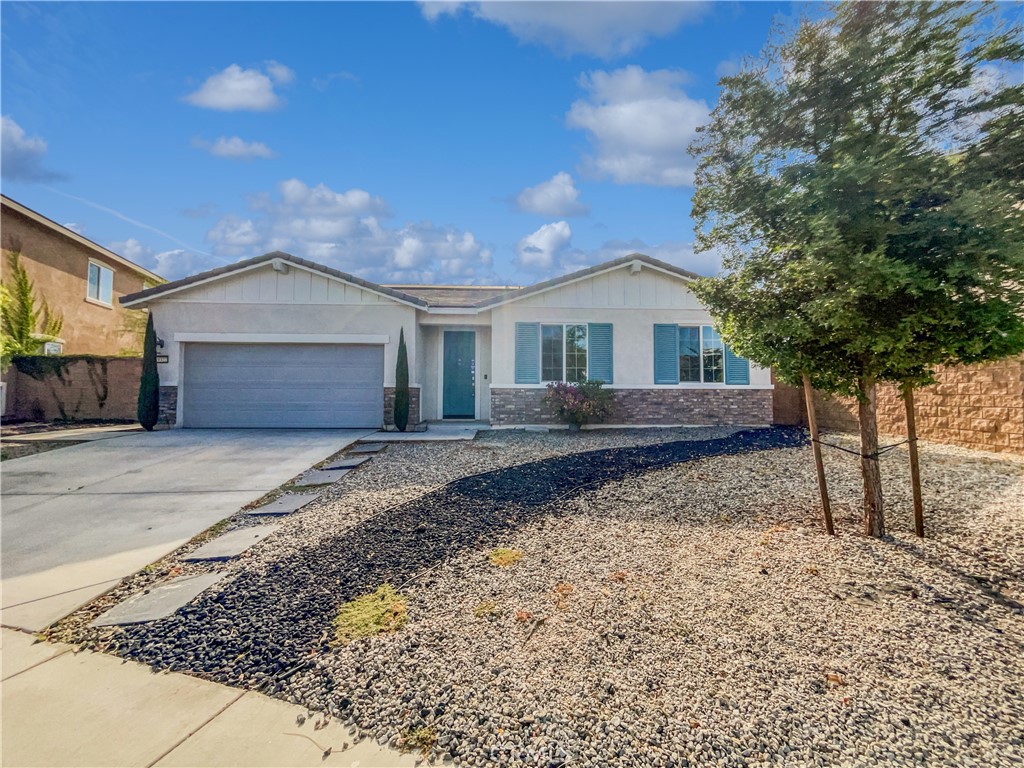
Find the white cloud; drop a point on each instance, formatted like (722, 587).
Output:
(538, 252)
(237, 89)
(728, 68)
(172, 264)
(78, 229)
(323, 83)
(639, 124)
(279, 73)
(346, 230)
(603, 29)
(21, 155)
(557, 196)
(234, 148)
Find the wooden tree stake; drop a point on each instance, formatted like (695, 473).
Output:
(812, 425)
(915, 465)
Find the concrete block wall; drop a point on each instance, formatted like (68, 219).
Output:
(73, 388)
(980, 406)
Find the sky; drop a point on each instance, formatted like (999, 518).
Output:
(489, 143)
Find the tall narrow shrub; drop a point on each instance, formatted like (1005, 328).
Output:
(149, 387)
(402, 385)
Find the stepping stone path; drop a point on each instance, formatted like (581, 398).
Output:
(158, 602)
(283, 505)
(368, 448)
(348, 463)
(231, 544)
(321, 477)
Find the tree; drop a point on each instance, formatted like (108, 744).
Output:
(862, 179)
(26, 321)
(402, 384)
(149, 385)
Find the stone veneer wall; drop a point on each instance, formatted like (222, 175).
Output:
(518, 406)
(389, 405)
(978, 406)
(168, 413)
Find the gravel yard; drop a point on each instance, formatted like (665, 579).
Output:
(681, 608)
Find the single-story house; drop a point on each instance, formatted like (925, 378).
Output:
(279, 341)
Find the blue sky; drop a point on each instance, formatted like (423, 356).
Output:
(450, 142)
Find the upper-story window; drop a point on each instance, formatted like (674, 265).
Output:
(101, 283)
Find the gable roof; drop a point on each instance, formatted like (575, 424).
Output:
(247, 264)
(597, 269)
(52, 225)
(460, 296)
(420, 296)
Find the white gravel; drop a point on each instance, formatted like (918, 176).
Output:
(711, 622)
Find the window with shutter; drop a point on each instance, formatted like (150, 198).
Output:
(527, 353)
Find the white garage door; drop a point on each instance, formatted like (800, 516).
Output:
(283, 385)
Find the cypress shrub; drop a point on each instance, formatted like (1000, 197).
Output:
(402, 385)
(149, 387)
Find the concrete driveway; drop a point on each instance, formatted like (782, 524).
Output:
(77, 520)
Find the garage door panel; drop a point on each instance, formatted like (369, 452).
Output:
(283, 385)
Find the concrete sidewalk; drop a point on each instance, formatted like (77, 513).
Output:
(62, 708)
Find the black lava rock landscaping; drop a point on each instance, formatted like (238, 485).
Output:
(263, 627)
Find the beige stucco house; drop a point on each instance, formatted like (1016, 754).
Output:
(77, 278)
(279, 341)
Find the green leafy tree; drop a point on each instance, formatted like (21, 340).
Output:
(26, 321)
(149, 385)
(863, 180)
(402, 384)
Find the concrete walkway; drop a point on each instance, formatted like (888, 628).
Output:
(77, 520)
(61, 708)
(436, 431)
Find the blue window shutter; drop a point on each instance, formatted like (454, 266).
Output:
(527, 353)
(666, 354)
(737, 369)
(600, 351)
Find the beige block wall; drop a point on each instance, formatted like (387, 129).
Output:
(59, 269)
(979, 407)
(83, 389)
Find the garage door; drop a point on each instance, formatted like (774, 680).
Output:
(283, 385)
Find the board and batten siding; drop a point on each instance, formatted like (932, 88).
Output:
(264, 285)
(633, 303)
(262, 301)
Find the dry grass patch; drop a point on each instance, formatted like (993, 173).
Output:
(380, 611)
(503, 557)
(420, 740)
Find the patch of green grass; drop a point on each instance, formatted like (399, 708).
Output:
(383, 610)
(486, 609)
(503, 557)
(420, 739)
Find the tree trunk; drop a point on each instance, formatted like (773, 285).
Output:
(915, 464)
(874, 518)
(812, 426)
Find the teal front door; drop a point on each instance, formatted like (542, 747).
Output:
(459, 388)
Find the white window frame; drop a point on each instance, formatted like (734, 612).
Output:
(88, 285)
(540, 353)
(700, 353)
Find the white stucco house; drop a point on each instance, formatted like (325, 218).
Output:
(279, 341)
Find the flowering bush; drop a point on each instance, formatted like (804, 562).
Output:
(582, 403)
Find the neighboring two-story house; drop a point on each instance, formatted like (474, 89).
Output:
(77, 278)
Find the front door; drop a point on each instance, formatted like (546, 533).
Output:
(459, 389)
